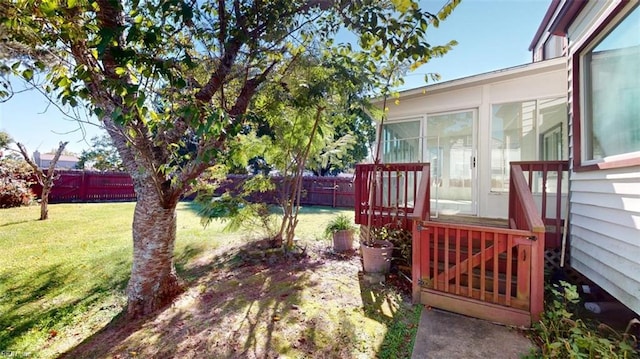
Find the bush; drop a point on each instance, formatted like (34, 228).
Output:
(16, 178)
(341, 222)
(561, 335)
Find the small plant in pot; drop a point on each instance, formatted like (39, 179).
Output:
(377, 250)
(341, 229)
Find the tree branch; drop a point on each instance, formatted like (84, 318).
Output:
(43, 179)
(217, 79)
(248, 90)
(27, 158)
(110, 17)
(222, 15)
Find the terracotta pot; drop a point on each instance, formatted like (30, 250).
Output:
(377, 258)
(343, 240)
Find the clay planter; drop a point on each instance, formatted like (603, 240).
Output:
(377, 258)
(343, 240)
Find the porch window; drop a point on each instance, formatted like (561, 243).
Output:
(526, 131)
(611, 102)
(401, 142)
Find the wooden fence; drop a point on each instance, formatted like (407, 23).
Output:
(89, 186)
(316, 191)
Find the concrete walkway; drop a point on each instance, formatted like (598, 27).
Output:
(443, 335)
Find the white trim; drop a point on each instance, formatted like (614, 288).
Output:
(489, 77)
(600, 17)
(614, 158)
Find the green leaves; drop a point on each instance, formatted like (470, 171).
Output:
(102, 156)
(403, 5)
(561, 334)
(393, 38)
(49, 7)
(448, 9)
(147, 67)
(27, 74)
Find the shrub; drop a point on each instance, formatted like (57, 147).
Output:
(16, 178)
(560, 334)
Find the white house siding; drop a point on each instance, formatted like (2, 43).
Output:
(605, 204)
(541, 80)
(605, 231)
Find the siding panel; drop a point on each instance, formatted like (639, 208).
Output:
(620, 256)
(605, 232)
(606, 186)
(623, 234)
(615, 217)
(608, 200)
(615, 284)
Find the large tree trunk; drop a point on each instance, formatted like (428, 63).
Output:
(154, 282)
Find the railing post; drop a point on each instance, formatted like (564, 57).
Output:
(537, 277)
(511, 217)
(416, 249)
(423, 197)
(543, 208)
(357, 200)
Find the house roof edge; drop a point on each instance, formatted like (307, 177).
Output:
(482, 77)
(548, 16)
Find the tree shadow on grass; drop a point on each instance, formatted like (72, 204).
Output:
(260, 289)
(389, 306)
(36, 306)
(243, 304)
(235, 284)
(120, 327)
(18, 222)
(182, 263)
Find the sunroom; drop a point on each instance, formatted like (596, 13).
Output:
(456, 161)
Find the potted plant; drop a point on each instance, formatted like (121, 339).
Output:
(377, 250)
(341, 229)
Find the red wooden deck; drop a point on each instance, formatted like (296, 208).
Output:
(483, 271)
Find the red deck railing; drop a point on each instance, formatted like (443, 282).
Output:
(545, 179)
(395, 197)
(486, 272)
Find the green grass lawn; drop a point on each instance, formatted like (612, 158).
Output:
(63, 279)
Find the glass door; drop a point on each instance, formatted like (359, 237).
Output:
(451, 150)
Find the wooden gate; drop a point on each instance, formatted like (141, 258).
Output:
(482, 272)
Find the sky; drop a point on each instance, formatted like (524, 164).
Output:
(491, 35)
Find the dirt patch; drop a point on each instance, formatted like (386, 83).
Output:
(248, 303)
